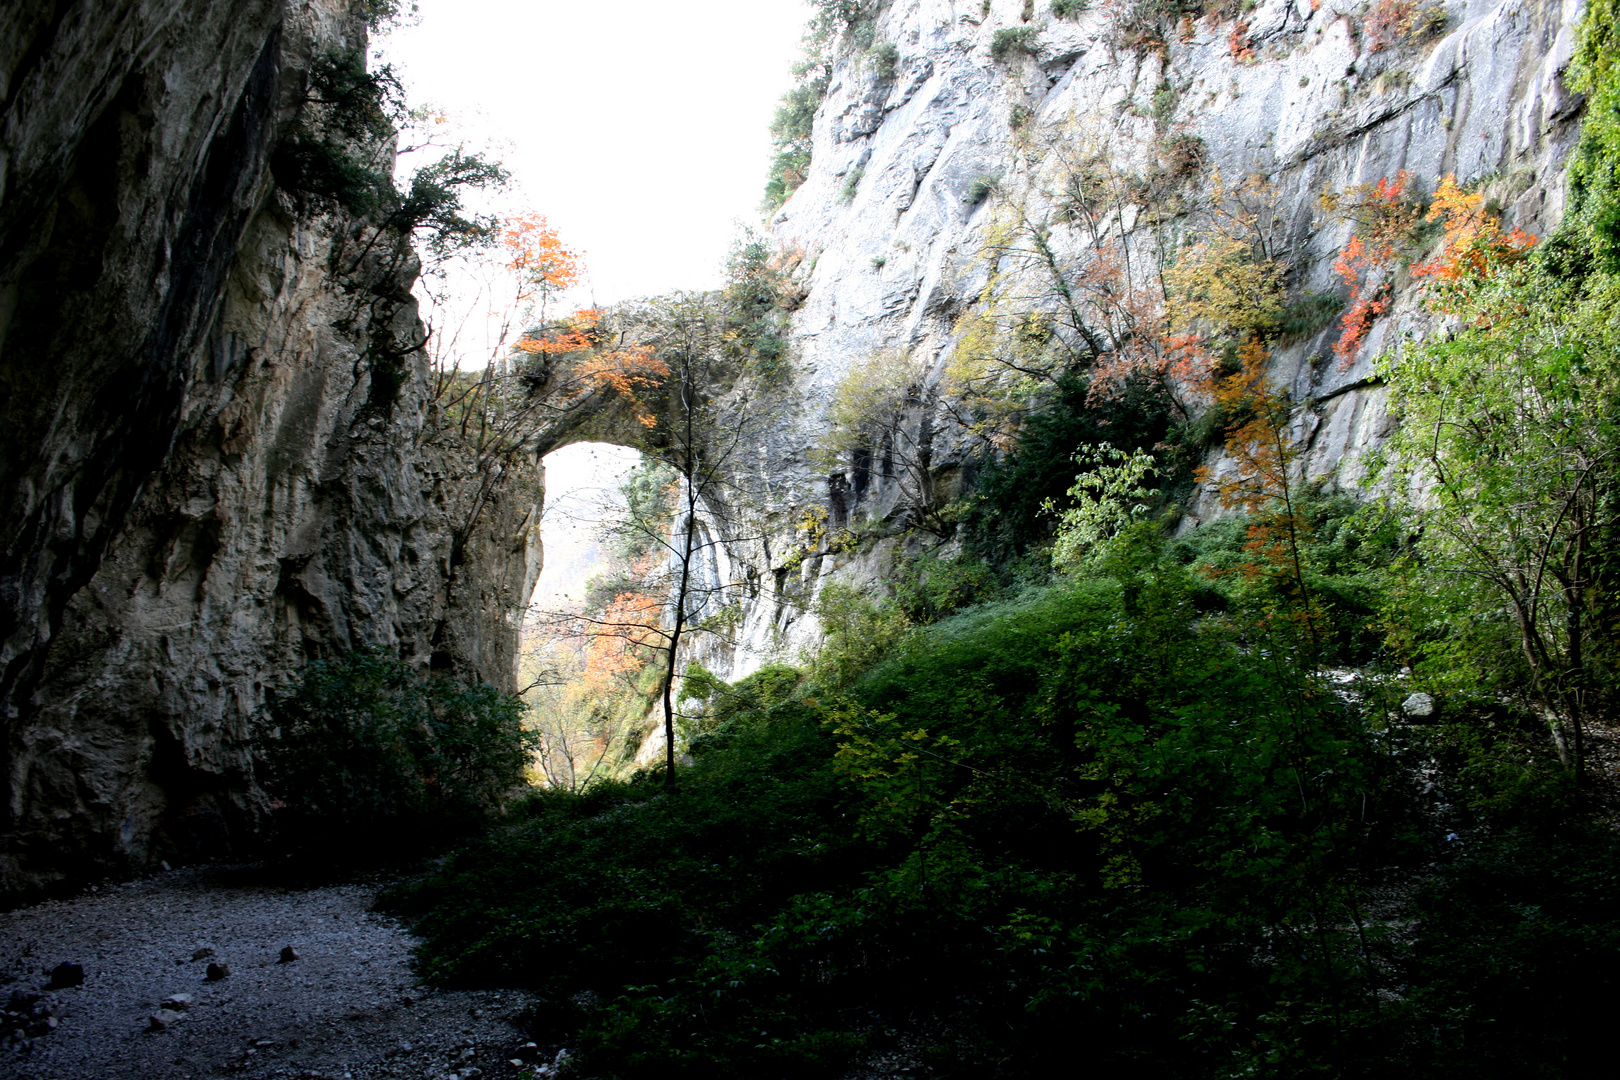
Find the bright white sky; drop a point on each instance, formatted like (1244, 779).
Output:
(582, 495)
(639, 127)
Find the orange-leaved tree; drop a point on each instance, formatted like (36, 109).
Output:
(1260, 483)
(633, 372)
(529, 268)
(1386, 217)
(1476, 246)
(621, 640)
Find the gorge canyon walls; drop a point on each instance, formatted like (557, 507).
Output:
(204, 486)
(930, 138)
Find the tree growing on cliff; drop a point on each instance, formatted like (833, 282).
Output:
(1510, 439)
(1072, 292)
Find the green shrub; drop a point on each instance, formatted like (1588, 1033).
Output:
(346, 112)
(1040, 817)
(1309, 315)
(791, 131)
(1165, 99)
(344, 123)
(836, 21)
(1070, 9)
(1348, 557)
(858, 631)
(397, 758)
(733, 704)
(930, 588)
(981, 187)
(759, 296)
(885, 59)
(1011, 39)
(1005, 519)
(852, 183)
(646, 900)
(1589, 235)
(383, 15)
(1184, 155)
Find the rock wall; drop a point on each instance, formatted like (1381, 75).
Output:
(199, 488)
(892, 220)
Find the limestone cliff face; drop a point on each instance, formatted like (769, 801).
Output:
(199, 487)
(893, 218)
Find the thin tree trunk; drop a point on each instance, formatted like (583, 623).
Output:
(687, 393)
(674, 645)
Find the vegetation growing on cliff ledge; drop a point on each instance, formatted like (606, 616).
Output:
(837, 27)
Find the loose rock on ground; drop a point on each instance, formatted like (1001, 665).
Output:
(209, 972)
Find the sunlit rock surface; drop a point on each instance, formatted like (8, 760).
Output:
(1312, 107)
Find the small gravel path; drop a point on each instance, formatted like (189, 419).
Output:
(347, 1007)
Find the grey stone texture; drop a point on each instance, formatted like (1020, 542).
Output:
(197, 493)
(896, 258)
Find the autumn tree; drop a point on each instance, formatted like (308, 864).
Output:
(1069, 292)
(1510, 446)
(706, 409)
(1258, 478)
(1084, 283)
(1387, 218)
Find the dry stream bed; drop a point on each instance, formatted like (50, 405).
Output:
(343, 1005)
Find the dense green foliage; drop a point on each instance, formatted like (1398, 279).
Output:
(791, 130)
(1096, 810)
(759, 295)
(339, 151)
(1013, 39)
(400, 760)
(1592, 223)
(330, 153)
(1006, 517)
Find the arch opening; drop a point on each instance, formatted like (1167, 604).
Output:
(590, 664)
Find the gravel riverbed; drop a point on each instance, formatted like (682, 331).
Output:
(343, 1004)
